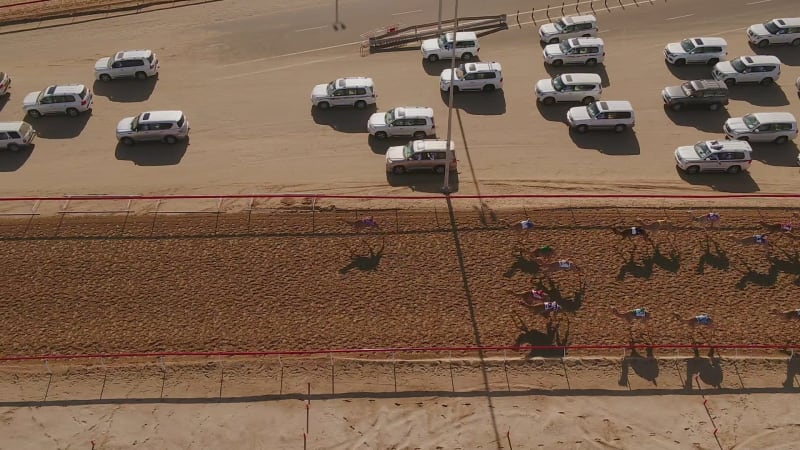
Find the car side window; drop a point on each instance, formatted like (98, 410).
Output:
(602, 116)
(3, 136)
(470, 76)
(713, 157)
(116, 65)
(783, 126)
(361, 91)
(419, 122)
(164, 126)
(738, 155)
(13, 135)
(46, 100)
(568, 29)
(764, 127)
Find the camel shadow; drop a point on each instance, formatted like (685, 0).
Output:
(709, 370)
(646, 367)
(643, 269)
(758, 278)
(568, 304)
(789, 266)
(364, 263)
(716, 258)
(792, 369)
(535, 338)
(524, 265)
(670, 262)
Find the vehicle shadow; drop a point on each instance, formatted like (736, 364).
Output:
(599, 69)
(760, 95)
(690, 72)
(423, 182)
(3, 100)
(126, 90)
(722, 182)
(554, 113)
(59, 127)
(786, 53)
(704, 120)
(379, 146)
(478, 103)
(776, 155)
(12, 161)
(435, 69)
(342, 119)
(608, 143)
(152, 154)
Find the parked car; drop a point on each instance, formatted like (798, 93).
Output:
(696, 50)
(777, 127)
(570, 87)
(414, 121)
(714, 156)
(164, 126)
(775, 31)
(608, 115)
(587, 51)
(5, 83)
(69, 99)
(424, 155)
(761, 69)
(15, 136)
(357, 92)
(139, 64)
(568, 27)
(466, 43)
(477, 76)
(710, 94)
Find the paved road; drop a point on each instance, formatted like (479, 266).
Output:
(243, 71)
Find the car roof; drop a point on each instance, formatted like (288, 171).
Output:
(132, 54)
(760, 59)
(576, 78)
(482, 66)
(788, 22)
(11, 126)
(569, 20)
(608, 105)
(422, 145)
(708, 84)
(160, 116)
(774, 117)
(709, 41)
(65, 89)
(585, 41)
(349, 82)
(727, 145)
(413, 111)
(462, 36)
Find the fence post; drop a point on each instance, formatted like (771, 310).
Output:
(50, 379)
(562, 8)
(163, 376)
(452, 378)
(333, 386)
(105, 377)
(533, 11)
(605, 2)
(621, 5)
(591, 6)
(505, 369)
(518, 24)
(280, 361)
(313, 214)
(394, 369)
(547, 12)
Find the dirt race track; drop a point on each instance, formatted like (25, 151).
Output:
(110, 284)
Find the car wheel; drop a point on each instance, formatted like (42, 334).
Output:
(419, 135)
(591, 62)
(72, 112)
(105, 77)
(762, 44)
(381, 135)
(558, 62)
(549, 101)
(587, 100)
(730, 81)
(766, 82)
(13, 147)
(323, 105)
(361, 104)
(693, 169)
(582, 129)
(680, 62)
(780, 140)
(466, 56)
(620, 128)
(34, 113)
(554, 41)
(712, 61)
(398, 170)
(438, 169)
(734, 169)
(141, 76)
(170, 140)
(714, 106)
(796, 43)
(677, 106)
(433, 58)
(488, 88)
(127, 141)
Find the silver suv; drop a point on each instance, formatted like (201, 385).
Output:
(696, 50)
(477, 76)
(588, 51)
(414, 121)
(714, 156)
(165, 126)
(357, 92)
(69, 99)
(775, 31)
(762, 69)
(139, 64)
(424, 154)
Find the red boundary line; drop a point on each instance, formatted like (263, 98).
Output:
(391, 350)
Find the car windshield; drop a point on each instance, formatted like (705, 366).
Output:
(687, 45)
(331, 87)
(135, 123)
(460, 72)
(771, 27)
(738, 65)
(408, 150)
(593, 110)
(389, 117)
(558, 84)
(442, 41)
(565, 47)
(702, 149)
(181, 121)
(559, 24)
(687, 89)
(750, 121)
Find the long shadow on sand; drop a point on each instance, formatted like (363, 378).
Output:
(535, 338)
(709, 370)
(716, 258)
(646, 367)
(364, 263)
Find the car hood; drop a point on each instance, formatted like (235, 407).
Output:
(31, 98)
(102, 64)
(548, 29)
(674, 48)
(674, 92)
(552, 50)
(686, 152)
(724, 67)
(320, 90)
(429, 45)
(395, 154)
(377, 120)
(758, 29)
(545, 86)
(736, 124)
(446, 73)
(124, 125)
(578, 113)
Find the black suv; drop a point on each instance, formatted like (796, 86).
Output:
(711, 94)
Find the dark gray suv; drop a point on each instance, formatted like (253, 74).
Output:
(710, 94)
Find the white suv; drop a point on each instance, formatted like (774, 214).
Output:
(69, 99)
(14, 136)
(425, 154)
(165, 126)
(477, 76)
(588, 51)
(416, 121)
(714, 156)
(568, 27)
(696, 50)
(776, 31)
(348, 91)
(466, 43)
(139, 64)
(777, 127)
(570, 87)
(762, 69)
(5, 83)
(609, 115)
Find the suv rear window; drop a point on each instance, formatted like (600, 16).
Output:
(180, 122)
(150, 58)
(82, 94)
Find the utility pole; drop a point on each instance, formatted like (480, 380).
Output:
(439, 27)
(448, 150)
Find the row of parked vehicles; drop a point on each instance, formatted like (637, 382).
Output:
(75, 99)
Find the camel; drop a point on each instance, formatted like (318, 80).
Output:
(700, 320)
(363, 223)
(711, 218)
(544, 252)
(756, 239)
(546, 309)
(531, 296)
(631, 232)
(561, 264)
(637, 314)
(655, 225)
(779, 227)
(788, 315)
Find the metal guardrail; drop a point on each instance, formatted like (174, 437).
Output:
(396, 37)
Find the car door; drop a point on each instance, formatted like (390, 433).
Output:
(567, 94)
(713, 163)
(764, 133)
(339, 97)
(469, 82)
